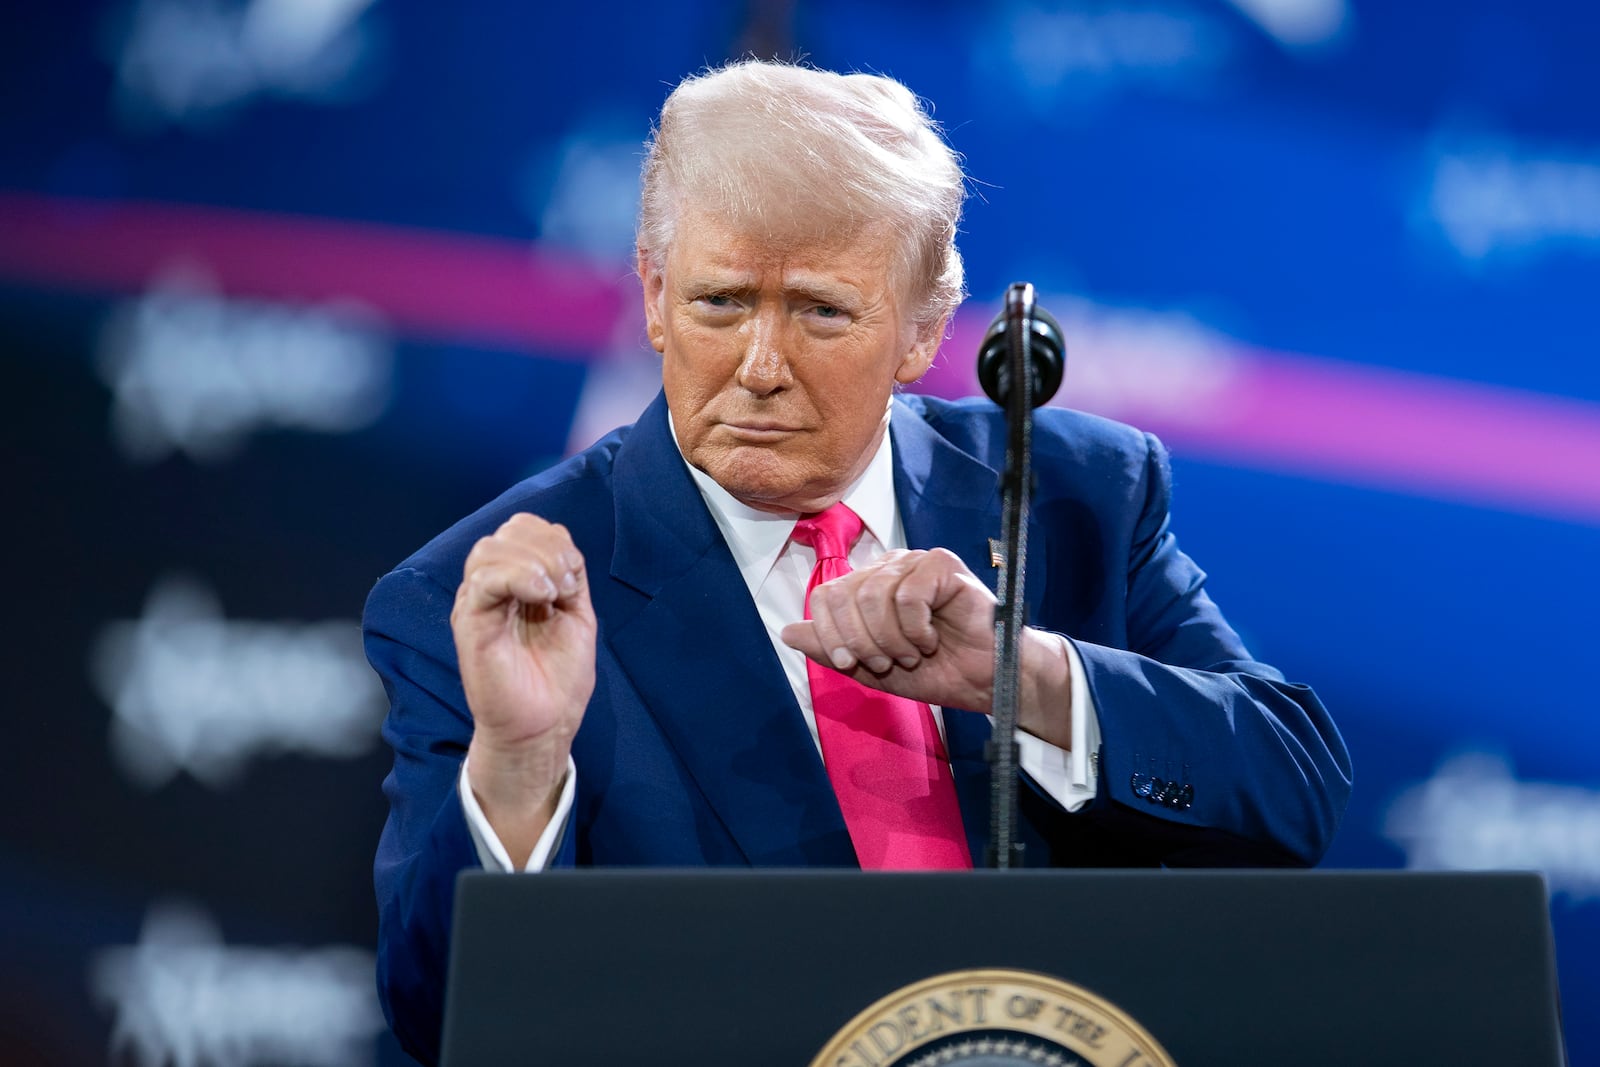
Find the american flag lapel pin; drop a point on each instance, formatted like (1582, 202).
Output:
(997, 555)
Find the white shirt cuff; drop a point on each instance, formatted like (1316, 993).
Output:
(1071, 778)
(491, 853)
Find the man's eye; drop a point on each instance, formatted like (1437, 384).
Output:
(828, 311)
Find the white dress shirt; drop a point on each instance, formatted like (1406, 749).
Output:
(776, 570)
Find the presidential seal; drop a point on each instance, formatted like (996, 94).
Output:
(993, 1018)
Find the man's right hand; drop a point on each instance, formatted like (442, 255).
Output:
(525, 638)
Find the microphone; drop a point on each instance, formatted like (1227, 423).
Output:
(1022, 347)
(1046, 351)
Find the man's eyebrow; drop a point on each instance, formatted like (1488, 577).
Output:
(716, 281)
(822, 290)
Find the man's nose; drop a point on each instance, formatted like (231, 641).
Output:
(764, 368)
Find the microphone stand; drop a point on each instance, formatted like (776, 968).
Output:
(1016, 487)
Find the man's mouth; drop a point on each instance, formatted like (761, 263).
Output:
(760, 429)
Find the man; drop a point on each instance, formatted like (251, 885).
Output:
(619, 662)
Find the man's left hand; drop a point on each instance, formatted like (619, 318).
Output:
(919, 624)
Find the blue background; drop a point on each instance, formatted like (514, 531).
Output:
(1172, 165)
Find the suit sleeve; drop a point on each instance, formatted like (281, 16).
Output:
(426, 842)
(1210, 757)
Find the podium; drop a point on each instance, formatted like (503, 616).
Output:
(1222, 968)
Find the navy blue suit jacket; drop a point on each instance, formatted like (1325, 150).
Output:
(693, 751)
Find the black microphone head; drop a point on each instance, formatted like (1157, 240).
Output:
(1046, 357)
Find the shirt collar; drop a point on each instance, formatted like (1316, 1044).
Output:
(757, 538)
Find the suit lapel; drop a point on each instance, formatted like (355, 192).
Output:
(735, 727)
(947, 498)
(950, 499)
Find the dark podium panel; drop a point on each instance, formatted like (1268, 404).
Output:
(1224, 968)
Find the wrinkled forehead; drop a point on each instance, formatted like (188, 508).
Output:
(711, 236)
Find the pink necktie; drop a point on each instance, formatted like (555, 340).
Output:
(883, 752)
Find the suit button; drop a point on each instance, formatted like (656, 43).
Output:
(1158, 789)
(1185, 797)
(1141, 785)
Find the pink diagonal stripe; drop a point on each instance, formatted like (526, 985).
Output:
(1479, 444)
(1438, 437)
(491, 290)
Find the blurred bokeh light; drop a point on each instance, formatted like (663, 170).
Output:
(287, 286)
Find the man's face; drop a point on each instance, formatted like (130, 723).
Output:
(779, 359)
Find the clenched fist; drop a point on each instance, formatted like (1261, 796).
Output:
(919, 624)
(525, 638)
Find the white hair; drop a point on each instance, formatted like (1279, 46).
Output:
(794, 150)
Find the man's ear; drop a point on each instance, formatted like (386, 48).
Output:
(919, 357)
(654, 283)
